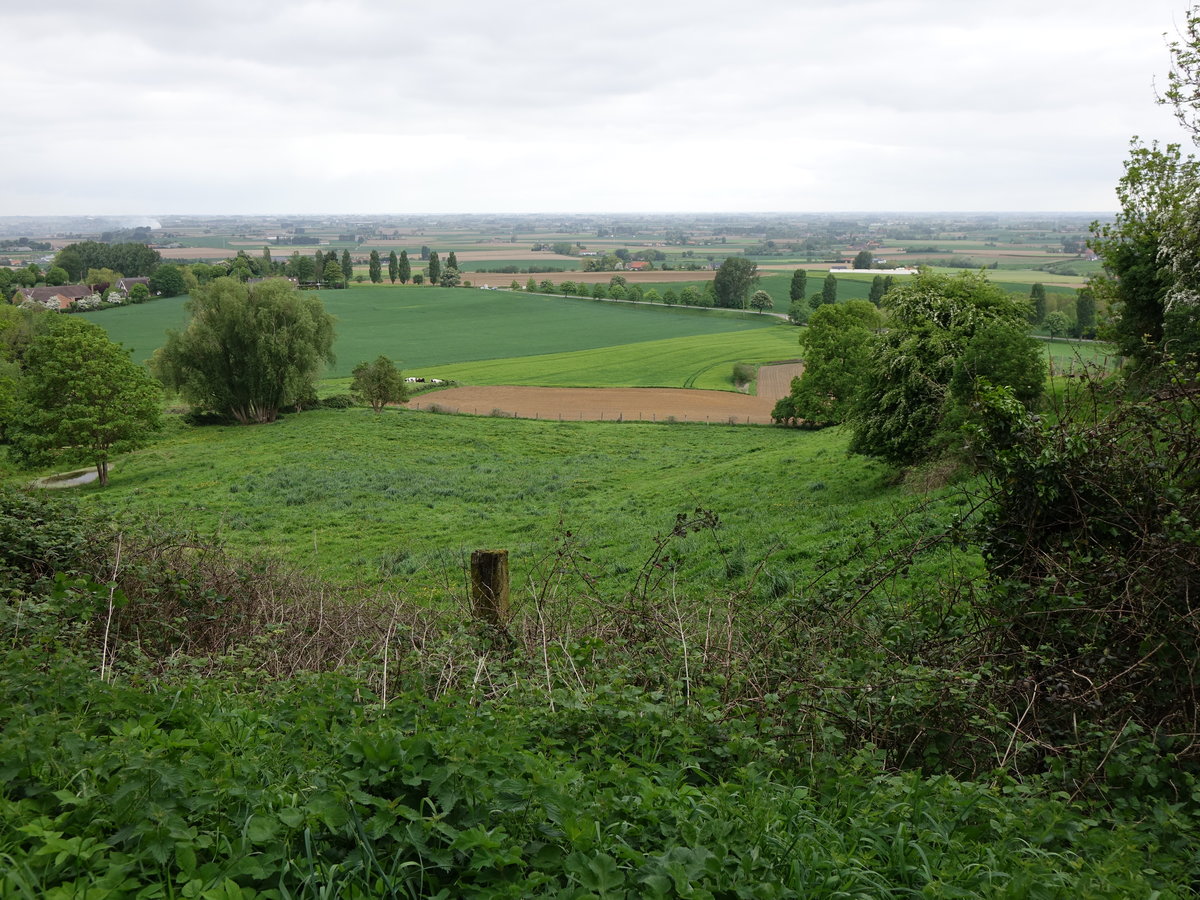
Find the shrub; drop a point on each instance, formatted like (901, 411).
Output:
(744, 374)
(337, 401)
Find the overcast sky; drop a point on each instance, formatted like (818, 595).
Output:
(243, 106)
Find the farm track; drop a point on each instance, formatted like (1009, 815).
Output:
(619, 404)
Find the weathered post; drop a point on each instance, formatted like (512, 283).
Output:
(489, 586)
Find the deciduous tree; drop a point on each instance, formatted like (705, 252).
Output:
(393, 267)
(935, 320)
(1057, 323)
(733, 281)
(835, 345)
(405, 268)
(378, 383)
(334, 274)
(249, 350)
(375, 268)
(1085, 313)
(876, 293)
(799, 285)
(347, 265)
(1037, 303)
(829, 289)
(434, 268)
(81, 397)
(761, 301)
(168, 281)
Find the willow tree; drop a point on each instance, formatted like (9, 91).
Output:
(249, 350)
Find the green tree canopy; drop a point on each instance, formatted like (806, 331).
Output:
(835, 345)
(81, 397)
(733, 281)
(1057, 323)
(1085, 313)
(378, 383)
(57, 275)
(864, 260)
(799, 285)
(347, 265)
(134, 259)
(300, 267)
(877, 291)
(905, 397)
(404, 272)
(168, 281)
(761, 301)
(334, 273)
(248, 351)
(434, 268)
(393, 267)
(1037, 303)
(829, 289)
(375, 268)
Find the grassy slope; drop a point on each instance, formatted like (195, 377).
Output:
(361, 496)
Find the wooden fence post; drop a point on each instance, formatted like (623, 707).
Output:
(489, 586)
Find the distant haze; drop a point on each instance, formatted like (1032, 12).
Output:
(136, 109)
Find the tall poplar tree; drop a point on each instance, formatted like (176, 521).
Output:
(1037, 302)
(435, 267)
(375, 268)
(404, 272)
(799, 286)
(829, 289)
(347, 266)
(393, 267)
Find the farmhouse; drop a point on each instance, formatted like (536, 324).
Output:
(124, 284)
(60, 297)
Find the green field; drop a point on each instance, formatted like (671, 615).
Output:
(402, 496)
(704, 361)
(422, 327)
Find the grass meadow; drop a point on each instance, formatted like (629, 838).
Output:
(401, 498)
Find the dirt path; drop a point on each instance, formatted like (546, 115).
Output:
(625, 404)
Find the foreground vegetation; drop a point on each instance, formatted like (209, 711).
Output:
(178, 720)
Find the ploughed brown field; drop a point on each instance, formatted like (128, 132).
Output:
(626, 404)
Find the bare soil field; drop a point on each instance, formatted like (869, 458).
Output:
(619, 404)
(775, 381)
(206, 252)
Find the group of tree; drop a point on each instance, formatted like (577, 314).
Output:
(835, 347)
(249, 351)
(735, 279)
(131, 259)
(619, 289)
(905, 380)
